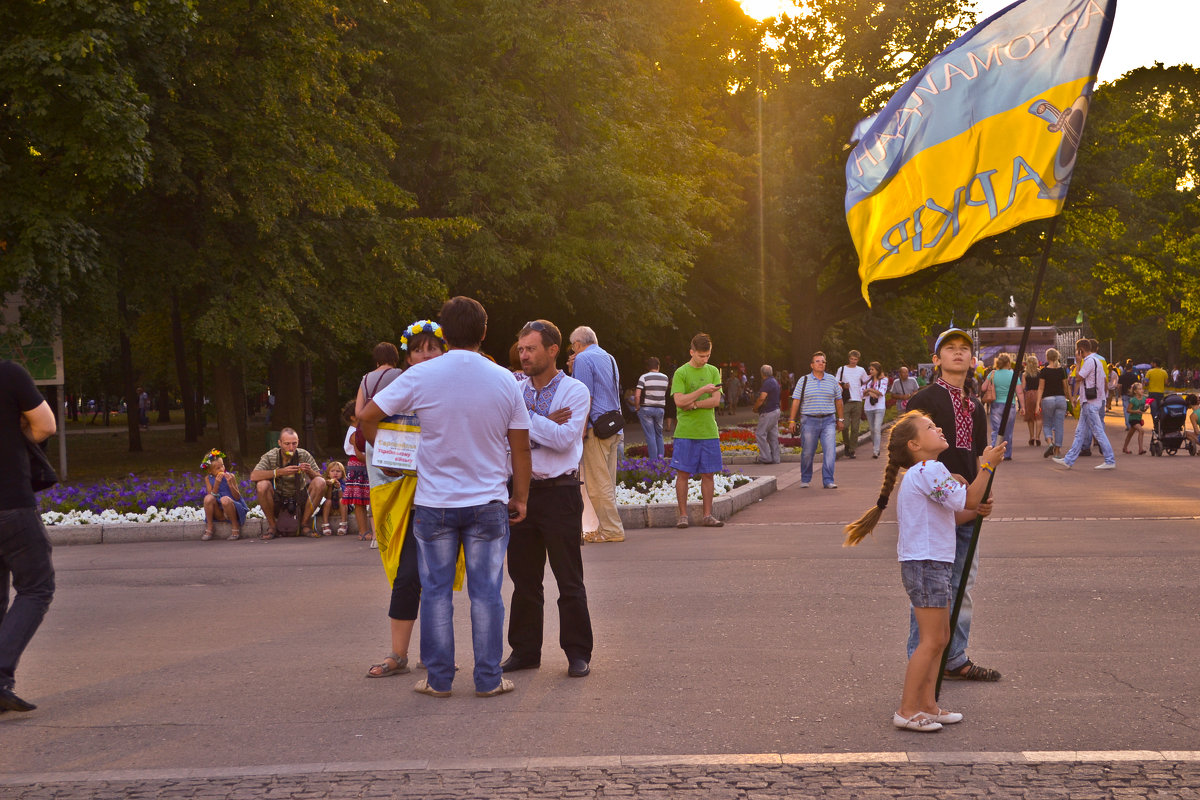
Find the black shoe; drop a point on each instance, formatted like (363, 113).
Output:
(1049, 452)
(1087, 451)
(514, 664)
(578, 668)
(10, 702)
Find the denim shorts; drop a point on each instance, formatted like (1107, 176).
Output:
(696, 456)
(927, 583)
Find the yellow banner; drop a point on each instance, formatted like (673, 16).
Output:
(992, 177)
(392, 505)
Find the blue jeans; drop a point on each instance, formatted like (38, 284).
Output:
(962, 631)
(1054, 414)
(25, 562)
(483, 533)
(652, 427)
(1091, 423)
(997, 410)
(813, 429)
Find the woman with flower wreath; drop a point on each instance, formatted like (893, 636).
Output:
(222, 497)
(421, 341)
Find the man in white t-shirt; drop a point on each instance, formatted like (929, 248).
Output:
(852, 377)
(472, 415)
(1089, 377)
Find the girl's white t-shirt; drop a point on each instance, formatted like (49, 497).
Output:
(879, 384)
(926, 503)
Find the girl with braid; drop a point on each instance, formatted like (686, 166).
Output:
(930, 502)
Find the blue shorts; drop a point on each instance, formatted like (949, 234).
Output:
(927, 583)
(696, 456)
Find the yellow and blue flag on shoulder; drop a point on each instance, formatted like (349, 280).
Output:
(982, 139)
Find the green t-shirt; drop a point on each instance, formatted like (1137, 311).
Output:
(701, 423)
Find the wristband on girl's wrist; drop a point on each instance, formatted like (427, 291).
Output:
(989, 468)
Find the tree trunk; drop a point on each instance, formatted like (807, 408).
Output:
(201, 413)
(131, 398)
(808, 327)
(164, 405)
(239, 399)
(190, 432)
(226, 403)
(310, 433)
(1174, 338)
(333, 406)
(284, 378)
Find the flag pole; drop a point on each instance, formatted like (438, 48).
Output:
(969, 561)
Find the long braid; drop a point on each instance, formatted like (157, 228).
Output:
(898, 458)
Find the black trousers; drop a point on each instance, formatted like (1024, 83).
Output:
(552, 528)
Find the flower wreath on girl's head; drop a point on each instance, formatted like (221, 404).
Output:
(420, 326)
(212, 454)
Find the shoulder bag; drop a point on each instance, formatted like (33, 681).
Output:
(610, 423)
(845, 386)
(41, 474)
(988, 392)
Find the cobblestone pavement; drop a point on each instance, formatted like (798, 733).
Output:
(882, 776)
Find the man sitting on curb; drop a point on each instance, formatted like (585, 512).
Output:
(280, 479)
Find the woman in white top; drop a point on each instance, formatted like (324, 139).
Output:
(875, 403)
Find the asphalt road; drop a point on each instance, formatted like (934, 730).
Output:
(765, 636)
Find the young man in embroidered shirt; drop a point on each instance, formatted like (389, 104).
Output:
(696, 387)
(553, 525)
(964, 424)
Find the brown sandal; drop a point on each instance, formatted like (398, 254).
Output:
(972, 672)
(235, 535)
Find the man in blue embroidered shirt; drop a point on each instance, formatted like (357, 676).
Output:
(597, 370)
(818, 399)
(558, 406)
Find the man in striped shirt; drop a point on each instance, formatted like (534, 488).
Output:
(819, 403)
(650, 402)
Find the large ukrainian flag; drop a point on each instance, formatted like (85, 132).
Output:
(979, 141)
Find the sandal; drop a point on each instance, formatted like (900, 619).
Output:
(342, 529)
(312, 532)
(972, 672)
(712, 522)
(325, 530)
(237, 534)
(207, 537)
(383, 670)
(269, 535)
(683, 521)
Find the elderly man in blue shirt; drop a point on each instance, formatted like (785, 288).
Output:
(597, 370)
(818, 397)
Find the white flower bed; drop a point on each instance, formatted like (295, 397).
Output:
(151, 514)
(664, 491)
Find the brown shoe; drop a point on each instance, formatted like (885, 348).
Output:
(424, 688)
(611, 537)
(505, 686)
(683, 521)
(712, 522)
(593, 537)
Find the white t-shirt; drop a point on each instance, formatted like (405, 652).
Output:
(467, 405)
(872, 403)
(348, 446)
(1091, 375)
(856, 377)
(925, 505)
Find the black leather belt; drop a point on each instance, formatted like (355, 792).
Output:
(570, 479)
(816, 416)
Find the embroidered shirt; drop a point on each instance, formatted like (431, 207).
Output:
(962, 414)
(925, 505)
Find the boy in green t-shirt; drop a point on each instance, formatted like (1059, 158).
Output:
(697, 446)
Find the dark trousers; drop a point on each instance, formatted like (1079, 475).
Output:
(406, 588)
(25, 562)
(552, 528)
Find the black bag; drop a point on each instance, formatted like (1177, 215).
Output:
(1090, 392)
(41, 474)
(609, 423)
(845, 387)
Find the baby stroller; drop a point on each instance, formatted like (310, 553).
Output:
(1168, 428)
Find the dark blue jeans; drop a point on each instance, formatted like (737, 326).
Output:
(25, 563)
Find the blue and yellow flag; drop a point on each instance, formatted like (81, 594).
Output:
(979, 141)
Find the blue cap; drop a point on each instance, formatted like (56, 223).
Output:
(950, 333)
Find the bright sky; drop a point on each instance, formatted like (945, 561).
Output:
(1145, 31)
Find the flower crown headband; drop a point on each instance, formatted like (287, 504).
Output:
(213, 454)
(420, 326)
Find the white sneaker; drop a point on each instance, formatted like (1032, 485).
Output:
(917, 722)
(1062, 462)
(1106, 466)
(804, 485)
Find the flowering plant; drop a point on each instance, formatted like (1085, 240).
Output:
(420, 326)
